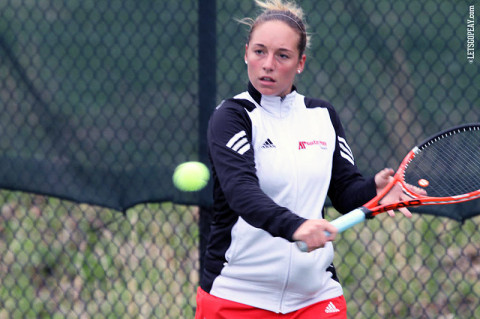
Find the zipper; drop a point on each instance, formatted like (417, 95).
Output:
(289, 122)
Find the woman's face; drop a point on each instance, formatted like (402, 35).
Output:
(273, 59)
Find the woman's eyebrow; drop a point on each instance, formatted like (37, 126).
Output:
(279, 49)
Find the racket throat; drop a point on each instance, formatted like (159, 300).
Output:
(394, 206)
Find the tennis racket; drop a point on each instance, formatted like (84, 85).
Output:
(446, 166)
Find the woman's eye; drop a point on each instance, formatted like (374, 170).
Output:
(258, 51)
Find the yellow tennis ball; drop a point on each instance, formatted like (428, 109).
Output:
(191, 176)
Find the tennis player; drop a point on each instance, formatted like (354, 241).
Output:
(275, 156)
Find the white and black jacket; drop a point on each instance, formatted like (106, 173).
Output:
(274, 161)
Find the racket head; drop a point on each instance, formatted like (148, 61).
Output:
(446, 166)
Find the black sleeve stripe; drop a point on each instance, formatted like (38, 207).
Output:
(239, 143)
(345, 150)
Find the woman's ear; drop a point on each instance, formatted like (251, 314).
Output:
(246, 50)
(301, 64)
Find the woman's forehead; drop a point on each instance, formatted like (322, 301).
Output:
(276, 33)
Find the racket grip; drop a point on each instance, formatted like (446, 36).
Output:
(348, 220)
(342, 223)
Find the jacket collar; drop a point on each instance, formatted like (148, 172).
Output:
(275, 105)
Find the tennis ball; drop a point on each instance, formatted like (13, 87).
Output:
(191, 176)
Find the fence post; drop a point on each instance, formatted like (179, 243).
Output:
(207, 18)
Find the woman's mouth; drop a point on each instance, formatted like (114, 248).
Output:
(266, 79)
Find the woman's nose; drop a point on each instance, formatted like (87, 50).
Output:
(269, 63)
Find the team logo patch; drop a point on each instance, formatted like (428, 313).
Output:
(302, 145)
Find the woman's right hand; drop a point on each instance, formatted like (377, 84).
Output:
(313, 233)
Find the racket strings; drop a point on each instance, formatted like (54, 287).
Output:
(449, 164)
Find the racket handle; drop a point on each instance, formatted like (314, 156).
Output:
(348, 220)
(341, 223)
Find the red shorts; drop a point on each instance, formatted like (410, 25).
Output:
(211, 307)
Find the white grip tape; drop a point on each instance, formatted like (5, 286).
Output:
(348, 220)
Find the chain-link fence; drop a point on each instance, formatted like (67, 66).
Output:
(64, 260)
(100, 100)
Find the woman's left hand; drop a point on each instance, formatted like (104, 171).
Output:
(396, 194)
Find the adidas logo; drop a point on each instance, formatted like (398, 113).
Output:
(268, 144)
(331, 308)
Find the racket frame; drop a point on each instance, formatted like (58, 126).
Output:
(373, 207)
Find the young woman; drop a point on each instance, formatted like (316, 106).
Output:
(275, 156)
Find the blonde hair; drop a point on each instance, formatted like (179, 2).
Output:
(279, 10)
